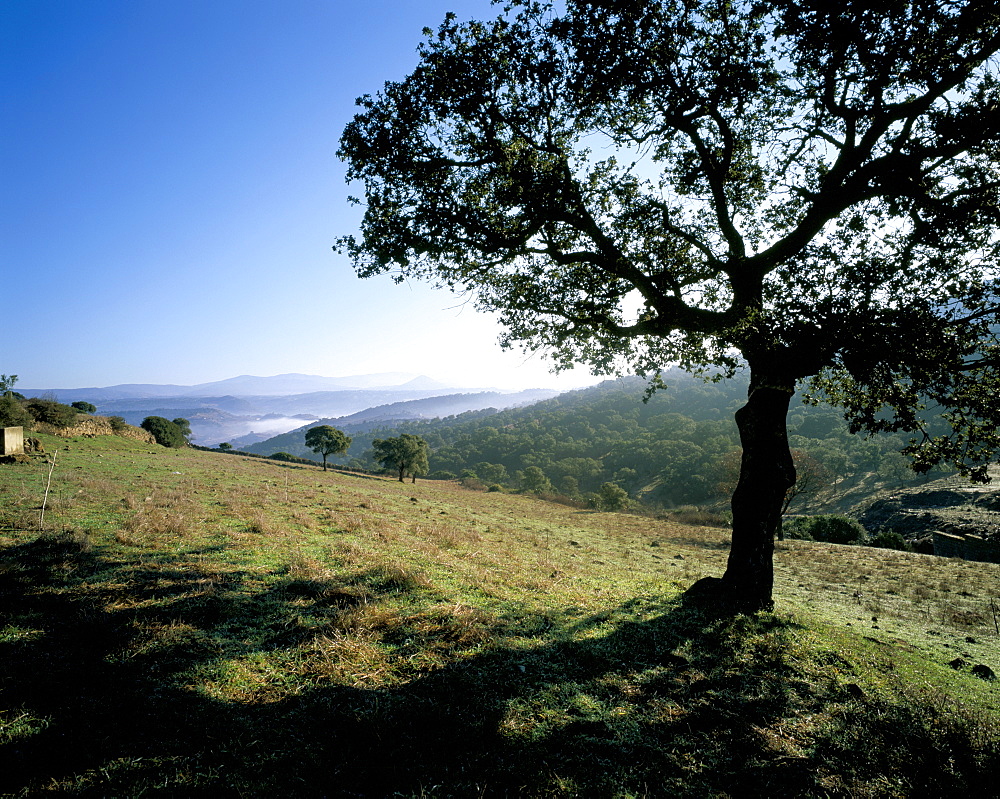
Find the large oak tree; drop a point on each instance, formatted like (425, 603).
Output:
(808, 190)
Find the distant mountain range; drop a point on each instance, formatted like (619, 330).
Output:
(246, 409)
(246, 385)
(411, 410)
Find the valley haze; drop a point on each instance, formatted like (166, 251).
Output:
(246, 409)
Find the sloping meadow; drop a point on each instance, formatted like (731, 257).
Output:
(188, 622)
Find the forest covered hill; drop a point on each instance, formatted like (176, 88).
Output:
(670, 450)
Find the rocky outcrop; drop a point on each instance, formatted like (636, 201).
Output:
(97, 426)
(956, 518)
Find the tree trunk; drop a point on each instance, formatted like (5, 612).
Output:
(401, 470)
(766, 473)
(324, 461)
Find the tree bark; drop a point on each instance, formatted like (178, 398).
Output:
(766, 473)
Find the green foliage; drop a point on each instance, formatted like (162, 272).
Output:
(117, 423)
(889, 539)
(13, 412)
(327, 440)
(166, 433)
(828, 527)
(283, 456)
(84, 407)
(442, 474)
(611, 497)
(51, 412)
(665, 451)
(225, 446)
(533, 480)
(797, 529)
(405, 454)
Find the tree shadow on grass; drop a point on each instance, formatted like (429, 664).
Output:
(658, 699)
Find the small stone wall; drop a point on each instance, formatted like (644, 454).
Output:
(967, 547)
(97, 426)
(12, 441)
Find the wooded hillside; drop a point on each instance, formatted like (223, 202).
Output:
(668, 451)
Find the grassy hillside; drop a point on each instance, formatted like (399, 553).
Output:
(189, 623)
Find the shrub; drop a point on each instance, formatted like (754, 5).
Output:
(533, 480)
(51, 412)
(611, 497)
(284, 456)
(166, 433)
(13, 413)
(797, 528)
(84, 407)
(442, 474)
(702, 517)
(495, 488)
(117, 423)
(829, 528)
(889, 539)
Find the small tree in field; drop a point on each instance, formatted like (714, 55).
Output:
(84, 407)
(326, 440)
(184, 426)
(803, 189)
(611, 497)
(166, 433)
(534, 480)
(405, 454)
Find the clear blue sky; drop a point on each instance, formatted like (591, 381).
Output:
(169, 196)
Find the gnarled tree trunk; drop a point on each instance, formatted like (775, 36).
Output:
(766, 473)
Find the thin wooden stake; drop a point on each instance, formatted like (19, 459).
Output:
(52, 466)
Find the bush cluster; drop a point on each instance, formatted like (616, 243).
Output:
(166, 432)
(51, 412)
(828, 528)
(13, 413)
(890, 539)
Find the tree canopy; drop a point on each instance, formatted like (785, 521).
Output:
(804, 189)
(326, 440)
(405, 454)
(167, 433)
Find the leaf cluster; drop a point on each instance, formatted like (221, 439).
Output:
(167, 433)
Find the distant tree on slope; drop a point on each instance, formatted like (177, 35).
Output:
(166, 433)
(326, 440)
(405, 454)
